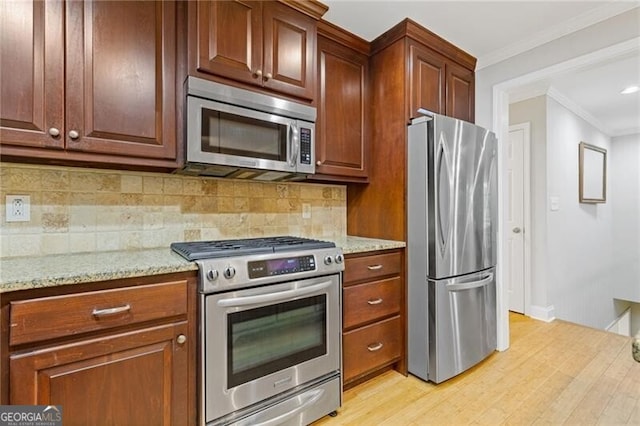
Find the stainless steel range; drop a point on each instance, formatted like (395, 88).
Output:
(270, 329)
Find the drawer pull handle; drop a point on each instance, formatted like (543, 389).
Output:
(375, 301)
(374, 267)
(376, 347)
(110, 311)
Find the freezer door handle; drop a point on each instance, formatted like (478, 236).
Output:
(473, 284)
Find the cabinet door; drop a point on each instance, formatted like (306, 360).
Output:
(32, 83)
(230, 39)
(120, 78)
(136, 378)
(460, 92)
(341, 142)
(427, 80)
(289, 50)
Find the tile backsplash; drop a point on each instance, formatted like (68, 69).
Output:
(84, 210)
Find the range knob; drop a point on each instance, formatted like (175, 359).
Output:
(229, 272)
(328, 260)
(339, 258)
(212, 274)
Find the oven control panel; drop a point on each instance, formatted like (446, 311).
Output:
(281, 266)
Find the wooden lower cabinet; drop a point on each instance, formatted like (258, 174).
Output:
(108, 356)
(369, 301)
(373, 337)
(137, 378)
(371, 347)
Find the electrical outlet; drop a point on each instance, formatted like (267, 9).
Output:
(18, 208)
(306, 211)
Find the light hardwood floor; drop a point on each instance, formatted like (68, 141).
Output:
(553, 373)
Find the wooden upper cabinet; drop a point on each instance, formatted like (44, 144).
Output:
(95, 79)
(341, 127)
(230, 38)
(32, 83)
(440, 85)
(427, 80)
(460, 92)
(289, 50)
(264, 44)
(120, 88)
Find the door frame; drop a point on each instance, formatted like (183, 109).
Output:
(500, 125)
(526, 219)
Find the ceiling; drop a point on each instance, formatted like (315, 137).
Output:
(496, 30)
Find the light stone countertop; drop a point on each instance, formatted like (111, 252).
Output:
(24, 273)
(352, 245)
(63, 269)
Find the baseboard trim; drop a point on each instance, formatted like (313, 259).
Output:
(622, 324)
(542, 313)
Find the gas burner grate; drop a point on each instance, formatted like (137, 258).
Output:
(197, 250)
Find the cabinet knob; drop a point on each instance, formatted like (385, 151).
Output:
(258, 73)
(54, 132)
(268, 76)
(181, 339)
(318, 163)
(73, 134)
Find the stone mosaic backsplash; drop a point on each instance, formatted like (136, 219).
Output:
(77, 210)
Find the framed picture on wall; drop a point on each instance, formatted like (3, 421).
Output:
(593, 174)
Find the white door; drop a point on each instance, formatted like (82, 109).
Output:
(518, 137)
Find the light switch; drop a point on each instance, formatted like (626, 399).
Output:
(554, 203)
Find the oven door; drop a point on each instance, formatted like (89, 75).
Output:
(263, 341)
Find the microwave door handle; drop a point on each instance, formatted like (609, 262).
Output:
(294, 144)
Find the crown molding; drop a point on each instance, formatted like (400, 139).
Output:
(627, 132)
(577, 23)
(528, 93)
(569, 104)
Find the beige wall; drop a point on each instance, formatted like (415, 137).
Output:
(85, 210)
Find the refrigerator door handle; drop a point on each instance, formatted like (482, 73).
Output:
(473, 284)
(444, 233)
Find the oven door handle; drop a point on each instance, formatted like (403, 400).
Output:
(311, 397)
(272, 297)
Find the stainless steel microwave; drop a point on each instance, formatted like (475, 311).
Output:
(232, 132)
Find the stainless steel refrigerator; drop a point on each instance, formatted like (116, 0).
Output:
(451, 245)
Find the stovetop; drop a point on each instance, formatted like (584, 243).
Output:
(197, 250)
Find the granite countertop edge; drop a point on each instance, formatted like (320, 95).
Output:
(23, 273)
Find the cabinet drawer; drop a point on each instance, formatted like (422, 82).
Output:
(370, 347)
(50, 317)
(367, 302)
(369, 267)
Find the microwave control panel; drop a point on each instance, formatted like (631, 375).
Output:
(305, 145)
